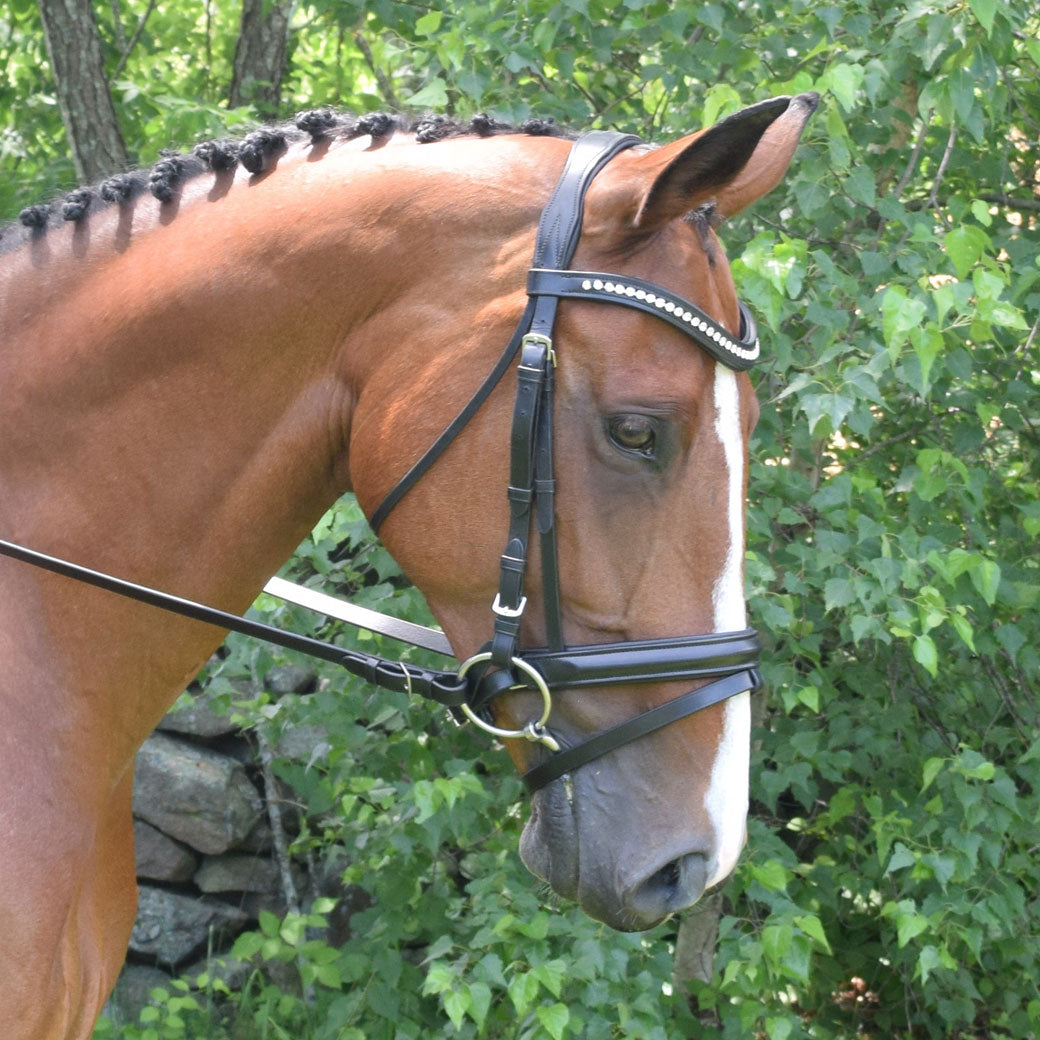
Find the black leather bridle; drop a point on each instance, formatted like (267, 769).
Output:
(729, 660)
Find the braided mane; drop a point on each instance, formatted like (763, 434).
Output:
(256, 151)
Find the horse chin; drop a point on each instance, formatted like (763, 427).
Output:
(549, 843)
(578, 852)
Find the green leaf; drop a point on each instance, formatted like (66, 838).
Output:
(909, 924)
(720, 100)
(901, 857)
(554, 1019)
(440, 978)
(838, 592)
(844, 82)
(984, 10)
(928, 344)
(770, 874)
(523, 991)
(965, 246)
(456, 1004)
(962, 626)
(778, 1028)
(985, 576)
(812, 926)
(429, 23)
(932, 768)
(433, 96)
(926, 654)
(899, 314)
(269, 923)
(551, 975)
(860, 185)
(480, 1002)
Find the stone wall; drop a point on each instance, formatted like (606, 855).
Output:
(207, 856)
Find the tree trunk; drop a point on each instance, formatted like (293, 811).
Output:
(86, 106)
(260, 54)
(695, 946)
(699, 926)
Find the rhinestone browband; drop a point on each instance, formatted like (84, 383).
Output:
(739, 353)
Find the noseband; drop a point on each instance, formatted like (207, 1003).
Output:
(727, 660)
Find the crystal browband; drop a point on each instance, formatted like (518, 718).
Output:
(739, 353)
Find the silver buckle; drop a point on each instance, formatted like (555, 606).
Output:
(508, 612)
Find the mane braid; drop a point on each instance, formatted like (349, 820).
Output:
(257, 152)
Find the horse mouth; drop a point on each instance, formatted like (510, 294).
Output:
(549, 845)
(579, 850)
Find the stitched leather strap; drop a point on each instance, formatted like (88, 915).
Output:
(568, 760)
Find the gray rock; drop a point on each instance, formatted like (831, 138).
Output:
(290, 678)
(133, 991)
(194, 794)
(259, 839)
(304, 744)
(238, 872)
(159, 857)
(171, 927)
(193, 715)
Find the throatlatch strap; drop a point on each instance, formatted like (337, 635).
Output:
(455, 427)
(558, 233)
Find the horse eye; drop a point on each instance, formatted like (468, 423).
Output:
(633, 433)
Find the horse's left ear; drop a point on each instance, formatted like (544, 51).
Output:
(735, 162)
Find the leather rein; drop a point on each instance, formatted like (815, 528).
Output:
(729, 660)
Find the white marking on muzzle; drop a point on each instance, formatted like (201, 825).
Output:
(726, 799)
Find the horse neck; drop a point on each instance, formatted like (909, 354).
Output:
(178, 384)
(207, 365)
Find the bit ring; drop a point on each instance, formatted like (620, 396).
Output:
(533, 731)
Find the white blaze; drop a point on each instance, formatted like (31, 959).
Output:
(726, 800)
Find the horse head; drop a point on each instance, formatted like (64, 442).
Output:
(650, 436)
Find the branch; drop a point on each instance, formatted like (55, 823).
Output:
(133, 39)
(941, 172)
(1003, 199)
(117, 22)
(381, 77)
(272, 796)
(914, 156)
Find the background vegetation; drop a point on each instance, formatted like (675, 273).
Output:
(890, 884)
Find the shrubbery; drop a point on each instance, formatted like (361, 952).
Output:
(890, 882)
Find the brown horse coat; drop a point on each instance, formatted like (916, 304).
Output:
(185, 386)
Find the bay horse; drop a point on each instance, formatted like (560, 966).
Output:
(197, 361)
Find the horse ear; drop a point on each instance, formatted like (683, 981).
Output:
(734, 162)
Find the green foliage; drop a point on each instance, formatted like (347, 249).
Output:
(415, 811)
(889, 886)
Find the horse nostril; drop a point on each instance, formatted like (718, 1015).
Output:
(670, 874)
(678, 884)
